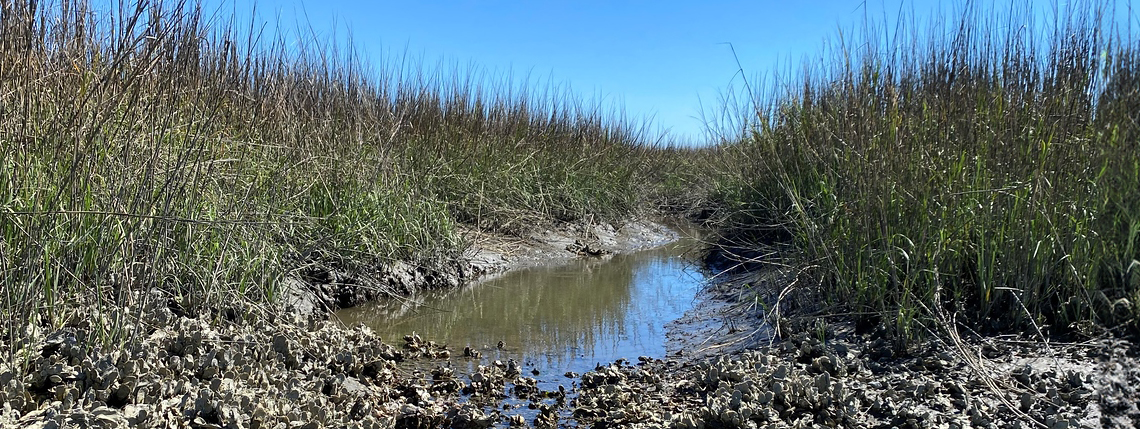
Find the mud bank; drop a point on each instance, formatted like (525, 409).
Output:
(492, 254)
(318, 288)
(729, 315)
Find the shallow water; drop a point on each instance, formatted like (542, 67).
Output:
(555, 318)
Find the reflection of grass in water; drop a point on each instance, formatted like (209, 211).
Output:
(544, 311)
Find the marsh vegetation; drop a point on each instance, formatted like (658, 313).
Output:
(159, 151)
(167, 171)
(978, 171)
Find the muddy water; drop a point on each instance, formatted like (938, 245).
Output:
(552, 319)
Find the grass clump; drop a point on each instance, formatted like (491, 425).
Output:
(155, 151)
(971, 172)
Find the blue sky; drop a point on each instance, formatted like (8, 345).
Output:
(660, 58)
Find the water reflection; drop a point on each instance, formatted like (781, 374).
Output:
(563, 318)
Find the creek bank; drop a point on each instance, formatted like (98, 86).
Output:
(494, 254)
(749, 355)
(295, 370)
(729, 314)
(301, 371)
(319, 288)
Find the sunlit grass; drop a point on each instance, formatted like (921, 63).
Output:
(162, 153)
(977, 174)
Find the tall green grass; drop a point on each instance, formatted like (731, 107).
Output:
(986, 171)
(155, 151)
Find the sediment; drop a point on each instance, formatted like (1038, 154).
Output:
(319, 289)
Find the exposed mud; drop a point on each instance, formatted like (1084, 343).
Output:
(492, 254)
(319, 288)
(730, 315)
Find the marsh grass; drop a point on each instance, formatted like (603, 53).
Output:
(986, 171)
(157, 152)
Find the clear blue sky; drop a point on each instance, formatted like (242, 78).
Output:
(660, 58)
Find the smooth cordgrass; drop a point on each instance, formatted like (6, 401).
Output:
(154, 151)
(985, 172)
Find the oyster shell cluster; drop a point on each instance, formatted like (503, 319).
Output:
(425, 349)
(806, 383)
(308, 373)
(298, 373)
(582, 248)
